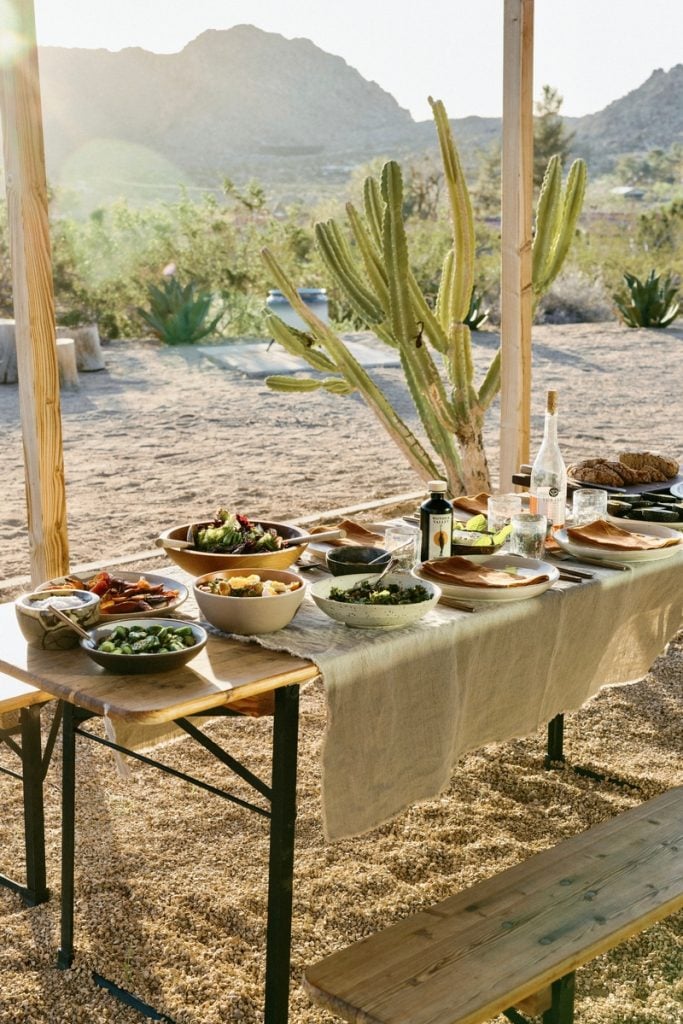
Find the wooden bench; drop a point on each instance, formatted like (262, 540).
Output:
(20, 707)
(515, 940)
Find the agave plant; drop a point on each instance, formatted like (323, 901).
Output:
(434, 346)
(648, 303)
(179, 315)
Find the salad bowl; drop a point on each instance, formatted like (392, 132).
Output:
(198, 563)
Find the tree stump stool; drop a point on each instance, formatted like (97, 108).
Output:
(8, 353)
(88, 351)
(66, 362)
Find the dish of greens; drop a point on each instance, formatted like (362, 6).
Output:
(234, 534)
(367, 592)
(147, 640)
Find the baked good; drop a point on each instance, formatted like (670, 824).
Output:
(662, 467)
(595, 471)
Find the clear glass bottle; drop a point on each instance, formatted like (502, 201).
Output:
(549, 474)
(436, 522)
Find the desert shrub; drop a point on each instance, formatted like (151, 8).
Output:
(648, 303)
(103, 265)
(574, 298)
(179, 314)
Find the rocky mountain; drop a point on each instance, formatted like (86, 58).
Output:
(647, 118)
(247, 103)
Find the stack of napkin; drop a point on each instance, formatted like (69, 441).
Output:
(461, 572)
(356, 534)
(605, 535)
(474, 503)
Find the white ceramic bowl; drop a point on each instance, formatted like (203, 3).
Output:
(249, 615)
(42, 628)
(378, 616)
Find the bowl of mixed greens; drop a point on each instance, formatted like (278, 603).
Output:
(232, 541)
(358, 601)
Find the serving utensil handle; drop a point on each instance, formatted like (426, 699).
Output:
(68, 622)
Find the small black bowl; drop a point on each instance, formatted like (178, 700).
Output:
(346, 561)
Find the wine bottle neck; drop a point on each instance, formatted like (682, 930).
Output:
(550, 428)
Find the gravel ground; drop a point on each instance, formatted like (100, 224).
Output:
(171, 881)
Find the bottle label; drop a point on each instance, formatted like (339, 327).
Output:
(549, 502)
(440, 532)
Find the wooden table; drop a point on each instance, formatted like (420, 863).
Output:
(220, 680)
(227, 677)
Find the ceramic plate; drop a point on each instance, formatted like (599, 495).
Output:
(611, 555)
(677, 490)
(133, 577)
(619, 521)
(523, 567)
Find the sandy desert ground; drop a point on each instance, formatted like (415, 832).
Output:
(171, 881)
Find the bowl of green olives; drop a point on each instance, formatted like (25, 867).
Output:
(132, 646)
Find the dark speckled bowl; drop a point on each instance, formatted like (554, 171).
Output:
(349, 561)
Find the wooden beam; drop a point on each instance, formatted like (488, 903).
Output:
(516, 295)
(34, 311)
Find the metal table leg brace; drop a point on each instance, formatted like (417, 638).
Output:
(34, 765)
(281, 796)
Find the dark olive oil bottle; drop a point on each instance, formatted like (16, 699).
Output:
(436, 522)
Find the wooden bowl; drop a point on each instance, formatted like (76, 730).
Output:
(198, 563)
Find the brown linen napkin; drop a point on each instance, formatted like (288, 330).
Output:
(606, 535)
(356, 534)
(463, 573)
(474, 503)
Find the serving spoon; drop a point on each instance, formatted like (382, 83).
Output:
(69, 622)
(289, 542)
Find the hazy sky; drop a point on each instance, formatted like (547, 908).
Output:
(592, 51)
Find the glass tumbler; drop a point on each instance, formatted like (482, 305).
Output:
(527, 537)
(405, 541)
(501, 509)
(588, 504)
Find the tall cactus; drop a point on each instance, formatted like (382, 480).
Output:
(382, 290)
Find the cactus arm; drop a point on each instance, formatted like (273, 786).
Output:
(298, 343)
(575, 191)
(547, 214)
(355, 376)
(443, 297)
(461, 216)
(372, 258)
(421, 311)
(423, 372)
(491, 383)
(556, 222)
(338, 262)
(278, 382)
(374, 209)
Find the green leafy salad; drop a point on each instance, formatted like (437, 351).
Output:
(234, 534)
(367, 592)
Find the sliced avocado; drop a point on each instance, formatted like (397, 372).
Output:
(477, 523)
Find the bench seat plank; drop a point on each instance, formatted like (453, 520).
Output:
(490, 947)
(15, 694)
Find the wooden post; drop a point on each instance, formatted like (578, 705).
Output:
(33, 299)
(516, 239)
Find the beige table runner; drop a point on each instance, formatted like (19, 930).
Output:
(404, 705)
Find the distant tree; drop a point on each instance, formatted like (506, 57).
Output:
(658, 165)
(550, 134)
(422, 189)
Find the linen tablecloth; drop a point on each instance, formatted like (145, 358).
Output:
(404, 705)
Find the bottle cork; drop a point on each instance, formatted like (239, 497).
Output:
(552, 402)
